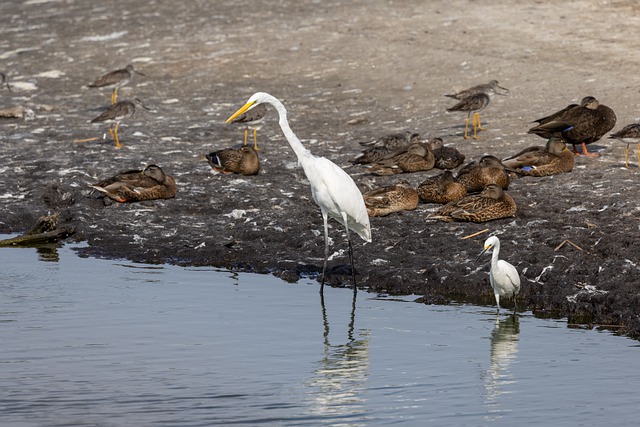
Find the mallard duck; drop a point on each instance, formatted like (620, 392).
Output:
(441, 189)
(475, 176)
(393, 198)
(474, 100)
(117, 112)
(447, 157)
(252, 117)
(385, 146)
(115, 80)
(581, 124)
(481, 88)
(417, 157)
(242, 160)
(552, 159)
(629, 133)
(136, 185)
(492, 203)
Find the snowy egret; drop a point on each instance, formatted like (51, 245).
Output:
(332, 188)
(115, 80)
(503, 276)
(136, 185)
(581, 124)
(115, 114)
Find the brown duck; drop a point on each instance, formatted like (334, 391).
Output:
(242, 160)
(393, 198)
(441, 189)
(552, 159)
(475, 176)
(385, 146)
(578, 125)
(137, 185)
(417, 157)
(447, 157)
(492, 203)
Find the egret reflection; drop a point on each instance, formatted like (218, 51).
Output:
(504, 348)
(338, 384)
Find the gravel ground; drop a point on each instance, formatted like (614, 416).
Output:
(347, 72)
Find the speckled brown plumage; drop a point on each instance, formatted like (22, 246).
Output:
(552, 159)
(580, 125)
(385, 147)
(417, 157)
(447, 157)
(475, 176)
(242, 160)
(441, 189)
(137, 185)
(394, 198)
(493, 203)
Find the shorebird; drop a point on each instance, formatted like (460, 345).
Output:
(242, 161)
(137, 185)
(552, 159)
(441, 189)
(393, 198)
(492, 203)
(481, 88)
(5, 81)
(474, 100)
(252, 117)
(115, 80)
(629, 133)
(578, 125)
(332, 188)
(117, 112)
(504, 277)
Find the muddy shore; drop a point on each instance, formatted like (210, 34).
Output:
(347, 72)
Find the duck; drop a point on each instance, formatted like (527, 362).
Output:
(629, 133)
(475, 176)
(447, 157)
(384, 146)
(115, 80)
(417, 157)
(137, 185)
(441, 189)
(389, 199)
(253, 117)
(491, 204)
(579, 125)
(243, 161)
(552, 159)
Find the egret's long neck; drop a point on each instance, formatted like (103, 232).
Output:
(294, 142)
(495, 253)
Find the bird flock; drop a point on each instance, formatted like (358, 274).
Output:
(476, 192)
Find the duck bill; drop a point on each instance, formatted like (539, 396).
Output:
(244, 108)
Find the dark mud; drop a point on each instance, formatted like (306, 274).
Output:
(347, 72)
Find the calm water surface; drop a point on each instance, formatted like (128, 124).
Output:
(86, 342)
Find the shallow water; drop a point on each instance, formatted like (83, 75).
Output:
(111, 343)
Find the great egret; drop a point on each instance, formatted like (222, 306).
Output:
(331, 187)
(136, 185)
(581, 124)
(115, 80)
(242, 160)
(503, 276)
(115, 114)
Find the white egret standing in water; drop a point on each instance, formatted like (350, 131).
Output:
(331, 187)
(503, 276)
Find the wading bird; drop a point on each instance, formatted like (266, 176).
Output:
(332, 188)
(115, 80)
(115, 114)
(503, 276)
(629, 133)
(253, 118)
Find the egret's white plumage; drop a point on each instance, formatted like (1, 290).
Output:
(503, 276)
(331, 187)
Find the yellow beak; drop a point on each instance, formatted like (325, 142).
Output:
(244, 108)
